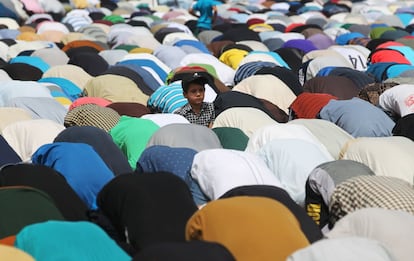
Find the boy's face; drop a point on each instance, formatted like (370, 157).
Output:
(195, 94)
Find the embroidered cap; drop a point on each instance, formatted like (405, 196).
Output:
(193, 78)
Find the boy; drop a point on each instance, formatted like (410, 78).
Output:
(196, 111)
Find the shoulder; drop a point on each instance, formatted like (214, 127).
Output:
(208, 106)
(196, 5)
(183, 110)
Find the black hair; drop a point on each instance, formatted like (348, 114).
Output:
(187, 86)
(186, 82)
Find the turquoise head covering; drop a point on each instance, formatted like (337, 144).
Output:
(62, 240)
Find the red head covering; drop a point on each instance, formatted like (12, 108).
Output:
(253, 21)
(8, 241)
(293, 26)
(308, 105)
(89, 100)
(388, 44)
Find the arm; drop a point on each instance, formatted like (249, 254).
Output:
(192, 12)
(193, 8)
(214, 14)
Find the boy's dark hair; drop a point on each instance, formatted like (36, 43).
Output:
(193, 78)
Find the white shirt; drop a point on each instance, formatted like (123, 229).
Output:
(398, 100)
(220, 170)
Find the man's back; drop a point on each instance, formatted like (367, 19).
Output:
(207, 10)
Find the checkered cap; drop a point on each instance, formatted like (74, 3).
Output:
(92, 115)
(372, 91)
(371, 191)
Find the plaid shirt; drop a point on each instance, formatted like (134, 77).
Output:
(205, 117)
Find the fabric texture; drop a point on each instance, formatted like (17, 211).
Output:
(399, 100)
(89, 100)
(124, 134)
(307, 225)
(25, 137)
(286, 75)
(321, 184)
(22, 206)
(16, 88)
(101, 142)
(12, 114)
(147, 208)
(268, 133)
(185, 251)
(308, 105)
(371, 92)
(131, 74)
(131, 109)
(49, 181)
(79, 240)
(177, 161)
(40, 108)
(8, 253)
(370, 191)
(115, 88)
(338, 86)
(205, 117)
(383, 225)
(255, 221)
(7, 154)
(181, 135)
(330, 135)
(394, 162)
(405, 127)
(216, 179)
(233, 99)
(267, 87)
(163, 119)
(246, 119)
(349, 114)
(231, 138)
(73, 73)
(85, 180)
(92, 115)
(167, 98)
(348, 248)
(291, 161)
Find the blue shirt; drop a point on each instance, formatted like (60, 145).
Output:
(79, 164)
(177, 161)
(167, 98)
(205, 7)
(358, 117)
(163, 158)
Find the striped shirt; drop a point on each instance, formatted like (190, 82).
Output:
(167, 98)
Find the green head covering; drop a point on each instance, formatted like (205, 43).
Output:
(131, 135)
(22, 206)
(116, 19)
(378, 31)
(126, 47)
(231, 138)
(210, 69)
